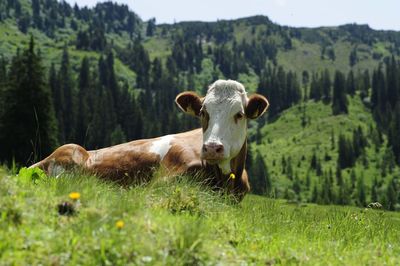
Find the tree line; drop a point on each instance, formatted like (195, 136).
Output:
(94, 108)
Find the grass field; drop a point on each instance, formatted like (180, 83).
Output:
(180, 223)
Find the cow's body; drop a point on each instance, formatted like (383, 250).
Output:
(209, 153)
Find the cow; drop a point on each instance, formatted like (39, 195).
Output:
(216, 152)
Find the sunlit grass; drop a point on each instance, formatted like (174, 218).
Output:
(178, 222)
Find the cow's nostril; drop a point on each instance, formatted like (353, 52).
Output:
(219, 149)
(204, 148)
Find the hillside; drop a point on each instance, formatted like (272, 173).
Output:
(179, 223)
(309, 130)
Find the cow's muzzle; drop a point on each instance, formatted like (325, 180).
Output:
(213, 152)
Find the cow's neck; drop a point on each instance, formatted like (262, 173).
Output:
(237, 165)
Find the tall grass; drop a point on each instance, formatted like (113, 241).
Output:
(179, 222)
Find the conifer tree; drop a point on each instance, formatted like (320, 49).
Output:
(66, 86)
(326, 86)
(346, 156)
(344, 194)
(315, 195)
(84, 103)
(58, 102)
(360, 191)
(391, 195)
(350, 83)
(353, 58)
(261, 180)
(29, 128)
(394, 133)
(339, 101)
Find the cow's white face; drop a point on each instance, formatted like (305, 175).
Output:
(223, 112)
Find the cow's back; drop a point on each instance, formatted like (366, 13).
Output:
(137, 160)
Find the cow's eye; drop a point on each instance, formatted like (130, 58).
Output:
(239, 116)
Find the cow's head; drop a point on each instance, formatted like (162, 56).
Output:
(223, 112)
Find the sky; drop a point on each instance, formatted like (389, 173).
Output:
(379, 14)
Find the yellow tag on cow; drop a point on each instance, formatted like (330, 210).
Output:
(232, 176)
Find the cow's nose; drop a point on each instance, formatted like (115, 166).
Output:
(213, 150)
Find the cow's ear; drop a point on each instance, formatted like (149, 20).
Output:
(256, 106)
(189, 102)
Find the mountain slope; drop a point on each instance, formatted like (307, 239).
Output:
(296, 136)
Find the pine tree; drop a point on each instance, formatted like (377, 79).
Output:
(391, 195)
(394, 133)
(29, 128)
(296, 186)
(58, 101)
(261, 181)
(326, 192)
(350, 83)
(66, 86)
(353, 179)
(374, 190)
(85, 107)
(326, 86)
(353, 57)
(360, 190)
(346, 156)
(344, 194)
(339, 102)
(151, 26)
(117, 136)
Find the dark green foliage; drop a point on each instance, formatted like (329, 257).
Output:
(67, 106)
(91, 39)
(327, 194)
(374, 191)
(282, 89)
(85, 102)
(350, 83)
(326, 86)
(344, 194)
(137, 58)
(29, 129)
(151, 27)
(385, 100)
(320, 88)
(353, 56)
(260, 177)
(359, 142)
(361, 198)
(346, 156)
(394, 132)
(392, 194)
(339, 100)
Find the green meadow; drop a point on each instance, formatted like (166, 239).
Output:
(179, 222)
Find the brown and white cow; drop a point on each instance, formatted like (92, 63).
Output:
(214, 152)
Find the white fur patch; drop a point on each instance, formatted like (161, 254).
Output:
(161, 146)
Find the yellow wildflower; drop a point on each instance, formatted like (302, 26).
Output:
(74, 195)
(232, 176)
(120, 224)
